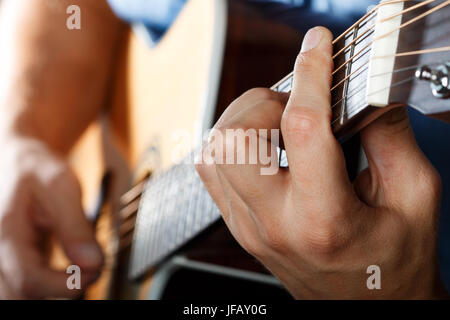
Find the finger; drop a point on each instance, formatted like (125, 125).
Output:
(61, 197)
(59, 284)
(251, 141)
(208, 174)
(396, 163)
(316, 161)
(27, 275)
(248, 100)
(234, 211)
(241, 220)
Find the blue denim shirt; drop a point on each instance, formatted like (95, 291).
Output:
(432, 135)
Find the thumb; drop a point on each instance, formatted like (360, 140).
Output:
(389, 139)
(395, 159)
(62, 200)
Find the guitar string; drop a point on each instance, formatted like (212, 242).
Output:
(370, 31)
(348, 97)
(362, 102)
(442, 5)
(417, 6)
(353, 93)
(340, 37)
(445, 49)
(411, 21)
(363, 83)
(351, 74)
(371, 12)
(402, 54)
(412, 53)
(289, 76)
(437, 8)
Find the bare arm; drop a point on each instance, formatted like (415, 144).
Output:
(52, 84)
(54, 80)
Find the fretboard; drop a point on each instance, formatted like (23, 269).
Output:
(348, 92)
(175, 207)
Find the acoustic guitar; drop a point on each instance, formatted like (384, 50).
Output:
(160, 230)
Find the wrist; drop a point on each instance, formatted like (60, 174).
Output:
(19, 130)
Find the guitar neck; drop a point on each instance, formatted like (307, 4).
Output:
(376, 60)
(175, 207)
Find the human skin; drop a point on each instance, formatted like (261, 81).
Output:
(312, 227)
(52, 87)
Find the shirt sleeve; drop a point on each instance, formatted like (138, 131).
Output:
(152, 16)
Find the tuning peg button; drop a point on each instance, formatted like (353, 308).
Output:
(439, 79)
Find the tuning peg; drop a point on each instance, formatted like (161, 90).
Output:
(439, 79)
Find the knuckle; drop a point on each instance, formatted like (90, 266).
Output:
(276, 240)
(310, 62)
(324, 240)
(261, 93)
(253, 247)
(434, 181)
(430, 183)
(300, 123)
(273, 105)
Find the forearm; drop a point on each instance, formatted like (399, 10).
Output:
(53, 80)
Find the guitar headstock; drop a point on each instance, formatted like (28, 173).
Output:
(429, 69)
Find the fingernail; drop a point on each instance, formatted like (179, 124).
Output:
(89, 254)
(311, 40)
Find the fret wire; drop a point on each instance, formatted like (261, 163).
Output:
(399, 83)
(351, 94)
(352, 109)
(378, 75)
(365, 17)
(417, 6)
(352, 28)
(348, 72)
(427, 13)
(350, 75)
(370, 29)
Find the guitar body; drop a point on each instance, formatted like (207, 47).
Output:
(162, 101)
